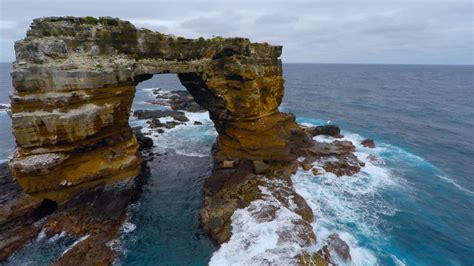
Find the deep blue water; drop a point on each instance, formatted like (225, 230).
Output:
(428, 111)
(421, 116)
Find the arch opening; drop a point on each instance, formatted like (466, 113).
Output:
(73, 97)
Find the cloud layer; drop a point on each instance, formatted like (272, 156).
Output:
(321, 31)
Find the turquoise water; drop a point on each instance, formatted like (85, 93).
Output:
(414, 208)
(423, 117)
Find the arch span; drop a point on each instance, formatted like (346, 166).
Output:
(75, 80)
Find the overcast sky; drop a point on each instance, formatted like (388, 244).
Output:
(320, 31)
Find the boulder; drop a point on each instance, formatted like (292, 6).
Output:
(368, 143)
(143, 141)
(343, 165)
(327, 130)
(339, 246)
(150, 114)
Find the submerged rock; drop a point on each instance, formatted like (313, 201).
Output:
(368, 143)
(344, 165)
(143, 141)
(327, 130)
(151, 114)
(181, 100)
(340, 246)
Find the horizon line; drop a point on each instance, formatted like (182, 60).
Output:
(326, 63)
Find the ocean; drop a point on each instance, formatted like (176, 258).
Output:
(413, 208)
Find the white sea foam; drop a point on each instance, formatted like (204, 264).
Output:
(41, 235)
(57, 236)
(74, 244)
(256, 241)
(397, 261)
(128, 227)
(452, 182)
(350, 206)
(186, 139)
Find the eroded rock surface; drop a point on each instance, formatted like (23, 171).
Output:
(75, 79)
(74, 82)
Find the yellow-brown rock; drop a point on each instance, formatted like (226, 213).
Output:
(75, 80)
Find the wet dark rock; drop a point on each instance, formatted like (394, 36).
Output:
(8, 187)
(144, 141)
(339, 246)
(368, 143)
(172, 124)
(156, 123)
(327, 130)
(150, 114)
(334, 148)
(197, 123)
(179, 100)
(3, 107)
(341, 165)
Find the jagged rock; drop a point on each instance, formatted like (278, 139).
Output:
(75, 79)
(368, 143)
(334, 148)
(339, 246)
(143, 141)
(328, 130)
(3, 107)
(230, 189)
(341, 165)
(181, 100)
(150, 114)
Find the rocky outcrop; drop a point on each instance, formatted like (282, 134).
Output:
(75, 80)
(368, 143)
(78, 160)
(327, 130)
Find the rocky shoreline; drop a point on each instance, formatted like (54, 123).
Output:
(79, 165)
(96, 216)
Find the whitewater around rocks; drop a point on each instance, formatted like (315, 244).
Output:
(349, 206)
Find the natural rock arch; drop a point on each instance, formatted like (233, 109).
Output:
(75, 80)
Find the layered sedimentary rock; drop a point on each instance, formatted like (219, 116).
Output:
(78, 159)
(75, 80)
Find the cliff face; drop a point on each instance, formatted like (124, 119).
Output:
(79, 162)
(75, 80)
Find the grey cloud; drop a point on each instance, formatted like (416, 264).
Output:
(332, 31)
(276, 19)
